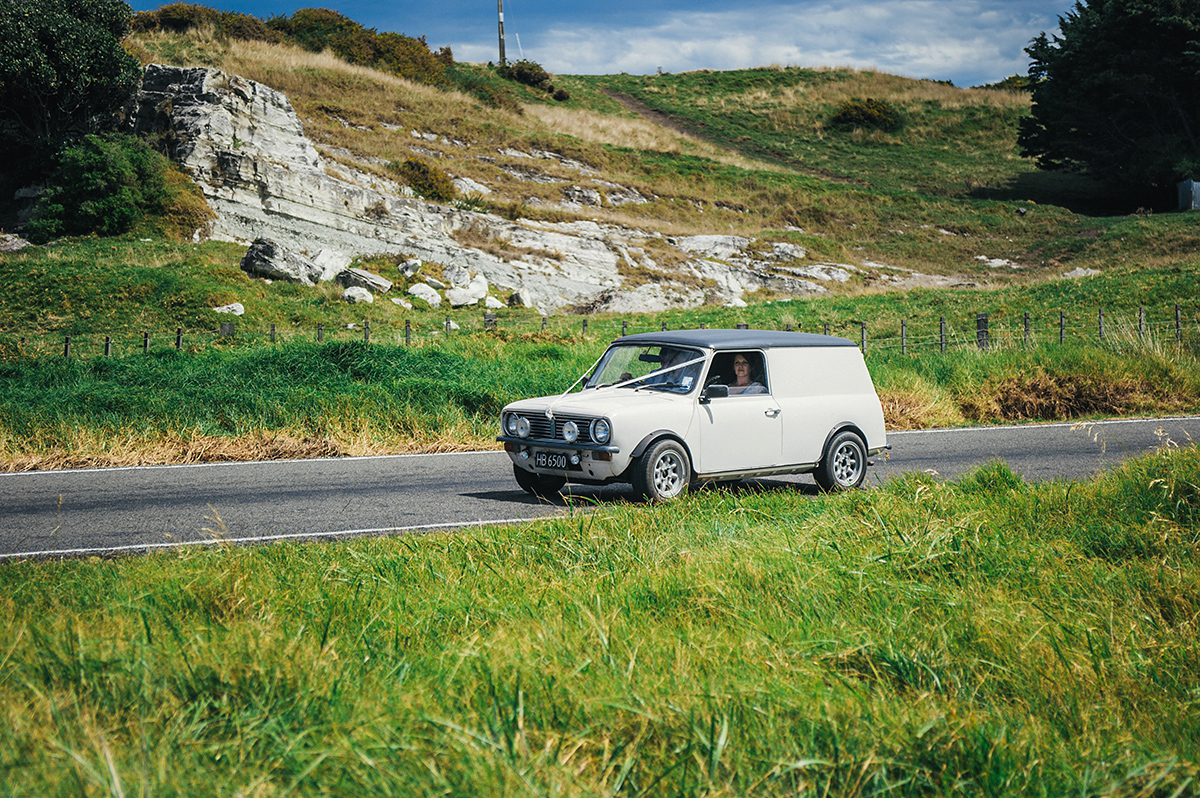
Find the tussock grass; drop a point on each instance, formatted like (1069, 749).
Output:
(983, 636)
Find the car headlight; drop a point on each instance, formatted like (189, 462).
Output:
(570, 432)
(517, 426)
(601, 430)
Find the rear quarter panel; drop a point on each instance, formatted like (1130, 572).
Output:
(820, 389)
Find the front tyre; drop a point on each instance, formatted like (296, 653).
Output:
(663, 472)
(844, 466)
(540, 485)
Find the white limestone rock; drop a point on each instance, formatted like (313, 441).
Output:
(332, 263)
(266, 258)
(426, 293)
(364, 279)
(356, 293)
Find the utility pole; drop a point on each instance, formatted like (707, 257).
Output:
(500, 9)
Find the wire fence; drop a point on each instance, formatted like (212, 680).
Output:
(1178, 325)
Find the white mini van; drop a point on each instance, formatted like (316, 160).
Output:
(663, 410)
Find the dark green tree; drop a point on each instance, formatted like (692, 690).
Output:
(1117, 92)
(63, 73)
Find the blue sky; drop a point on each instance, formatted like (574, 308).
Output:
(967, 41)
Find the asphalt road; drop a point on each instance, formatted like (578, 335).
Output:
(110, 511)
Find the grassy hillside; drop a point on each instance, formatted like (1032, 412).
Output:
(941, 195)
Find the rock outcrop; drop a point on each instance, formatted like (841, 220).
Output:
(244, 145)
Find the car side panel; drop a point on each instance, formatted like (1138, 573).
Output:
(821, 388)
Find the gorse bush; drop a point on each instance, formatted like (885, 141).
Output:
(868, 113)
(428, 181)
(524, 71)
(531, 73)
(102, 185)
(314, 29)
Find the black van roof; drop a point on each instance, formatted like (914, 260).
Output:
(734, 339)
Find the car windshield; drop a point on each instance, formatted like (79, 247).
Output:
(653, 367)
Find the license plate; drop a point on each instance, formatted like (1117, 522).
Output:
(554, 460)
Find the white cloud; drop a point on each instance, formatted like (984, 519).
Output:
(968, 41)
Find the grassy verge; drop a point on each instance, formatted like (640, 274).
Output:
(302, 398)
(984, 637)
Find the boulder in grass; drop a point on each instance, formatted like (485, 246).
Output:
(266, 258)
(426, 293)
(364, 279)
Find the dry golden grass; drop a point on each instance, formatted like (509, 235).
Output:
(908, 409)
(116, 449)
(902, 92)
(635, 133)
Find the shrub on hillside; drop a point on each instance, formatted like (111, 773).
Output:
(531, 73)
(183, 17)
(527, 72)
(411, 58)
(869, 113)
(235, 25)
(176, 18)
(428, 181)
(101, 185)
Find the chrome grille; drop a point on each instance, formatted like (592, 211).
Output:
(542, 428)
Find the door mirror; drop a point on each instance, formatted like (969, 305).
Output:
(715, 391)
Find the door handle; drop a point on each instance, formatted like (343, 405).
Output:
(772, 412)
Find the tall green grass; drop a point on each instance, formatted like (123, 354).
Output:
(303, 398)
(983, 637)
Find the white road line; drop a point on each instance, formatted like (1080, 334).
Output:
(269, 538)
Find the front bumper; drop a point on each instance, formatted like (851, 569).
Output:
(587, 461)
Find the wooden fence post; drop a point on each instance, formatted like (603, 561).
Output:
(320, 331)
(407, 332)
(1062, 327)
(827, 328)
(178, 338)
(981, 330)
(942, 333)
(367, 331)
(624, 328)
(543, 322)
(108, 346)
(67, 347)
(1142, 322)
(903, 336)
(145, 342)
(1178, 326)
(272, 333)
(1100, 323)
(1026, 328)
(862, 336)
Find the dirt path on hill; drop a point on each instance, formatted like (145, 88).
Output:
(653, 115)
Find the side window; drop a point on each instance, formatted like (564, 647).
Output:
(743, 372)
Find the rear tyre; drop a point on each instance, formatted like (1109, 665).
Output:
(663, 472)
(537, 484)
(844, 466)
